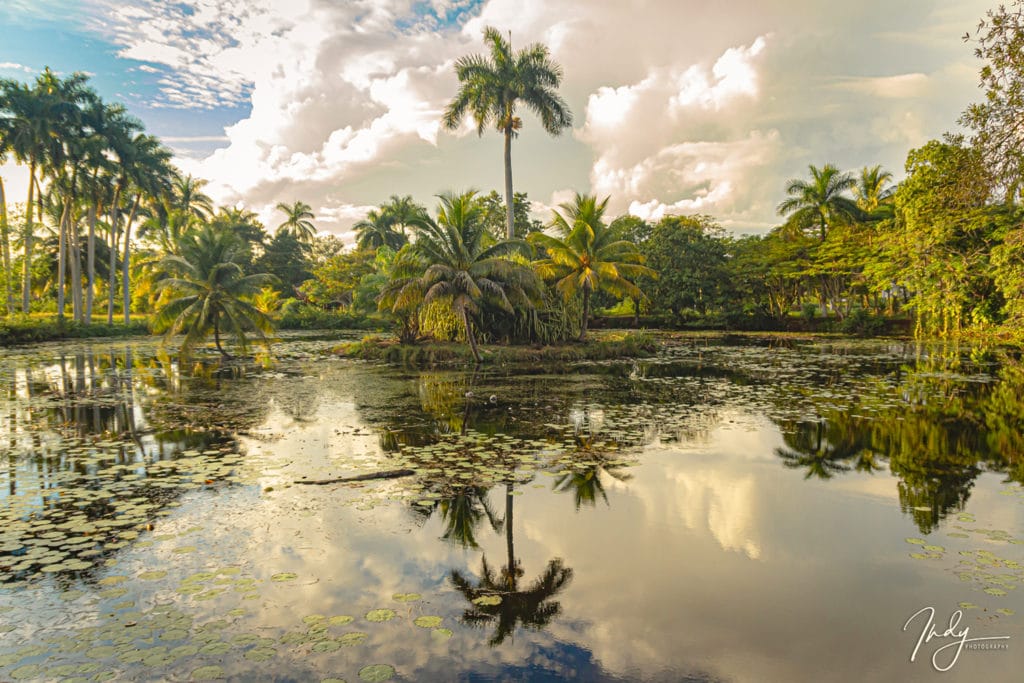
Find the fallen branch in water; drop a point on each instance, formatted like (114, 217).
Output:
(387, 474)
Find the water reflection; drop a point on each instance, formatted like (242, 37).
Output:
(684, 517)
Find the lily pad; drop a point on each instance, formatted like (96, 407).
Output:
(375, 673)
(487, 600)
(380, 615)
(340, 620)
(428, 621)
(406, 597)
(284, 576)
(208, 673)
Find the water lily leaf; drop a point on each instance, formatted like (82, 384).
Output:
(340, 620)
(428, 621)
(208, 673)
(261, 654)
(153, 575)
(326, 646)
(441, 634)
(216, 648)
(353, 638)
(284, 576)
(375, 673)
(380, 615)
(487, 600)
(406, 597)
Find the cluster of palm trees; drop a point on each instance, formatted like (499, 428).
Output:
(91, 169)
(455, 258)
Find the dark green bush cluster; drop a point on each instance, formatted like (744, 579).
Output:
(30, 330)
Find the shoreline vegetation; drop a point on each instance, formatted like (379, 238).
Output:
(605, 345)
(110, 225)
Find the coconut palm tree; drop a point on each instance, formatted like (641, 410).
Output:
(378, 230)
(403, 212)
(589, 256)
(820, 203)
(210, 293)
(461, 265)
(874, 193)
(299, 221)
(492, 86)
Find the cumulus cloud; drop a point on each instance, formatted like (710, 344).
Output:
(676, 110)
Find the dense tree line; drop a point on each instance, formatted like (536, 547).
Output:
(108, 217)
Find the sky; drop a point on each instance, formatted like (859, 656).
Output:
(679, 106)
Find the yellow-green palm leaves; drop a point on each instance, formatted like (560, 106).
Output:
(463, 264)
(588, 256)
(211, 293)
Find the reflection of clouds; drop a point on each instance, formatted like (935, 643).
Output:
(723, 504)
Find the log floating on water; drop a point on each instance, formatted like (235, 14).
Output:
(387, 474)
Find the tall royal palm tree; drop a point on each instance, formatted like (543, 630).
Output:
(121, 130)
(189, 198)
(589, 256)
(211, 293)
(461, 265)
(492, 86)
(821, 202)
(33, 112)
(5, 234)
(298, 221)
(149, 167)
(378, 230)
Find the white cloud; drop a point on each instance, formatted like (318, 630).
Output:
(344, 99)
(14, 66)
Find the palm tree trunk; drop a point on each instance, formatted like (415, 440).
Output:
(90, 265)
(26, 291)
(586, 313)
(469, 335)
(62, 260)
(115, 214)
(509, 198)
(125, 280)
(216, 338)
(509, 545)
(5, 246)
(75, 246)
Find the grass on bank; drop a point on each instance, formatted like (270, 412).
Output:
(602, 345)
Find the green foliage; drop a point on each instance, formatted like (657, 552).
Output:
(298, 316)
(495, 213)
(333, 282)
(589, 256)
(689, 256)
(861, 323)
(286, 259)
(211, 293)
(817, 205)
(21, 329)
(463, 266)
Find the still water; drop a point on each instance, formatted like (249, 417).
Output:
(735, 509)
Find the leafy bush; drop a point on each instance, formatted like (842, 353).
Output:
(861, 323)
(303, 317)
(20, 330)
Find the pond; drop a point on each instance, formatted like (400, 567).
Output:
(734, 509)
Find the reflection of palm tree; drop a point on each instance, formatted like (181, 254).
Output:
(463, 513)
(821, 448)
(530, 606)
(585, 484)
